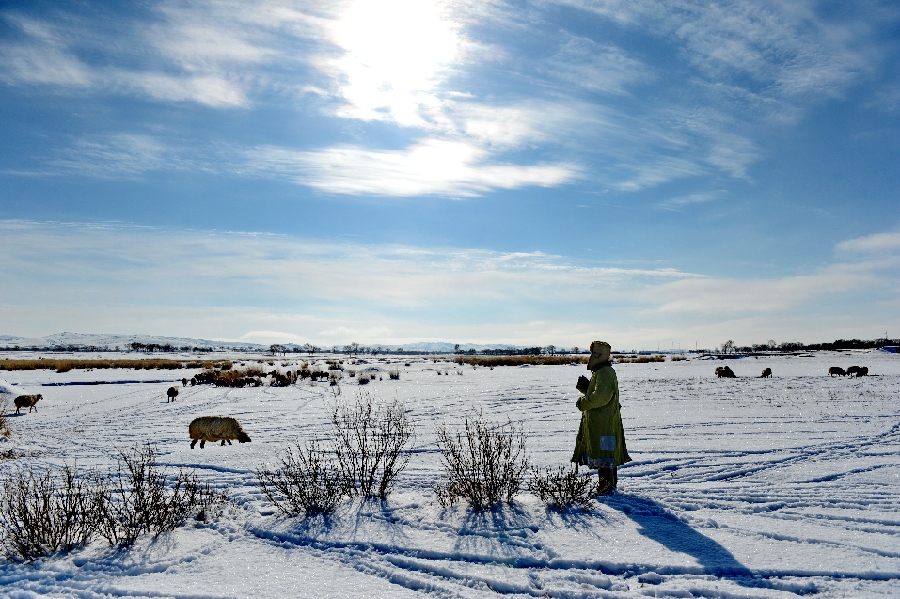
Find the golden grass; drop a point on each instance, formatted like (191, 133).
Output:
(66, 365)
(492, 361)
(638, 359)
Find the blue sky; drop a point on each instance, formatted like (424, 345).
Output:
(652, 173)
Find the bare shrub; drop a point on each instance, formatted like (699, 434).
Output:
(43, 514)
(679, 358)
(484, 463)
(562, 487)
(136, 498)
(363, 379)
(394, 375)
(307, 482)
(5, 429)
(371, 444)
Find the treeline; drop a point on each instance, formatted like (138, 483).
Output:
(794, 346)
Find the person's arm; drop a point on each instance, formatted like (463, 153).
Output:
(600, 392)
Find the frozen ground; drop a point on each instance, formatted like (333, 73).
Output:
(739, 488)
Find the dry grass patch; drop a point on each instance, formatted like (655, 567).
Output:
(638, 359)
(492, 361)
(65, 365)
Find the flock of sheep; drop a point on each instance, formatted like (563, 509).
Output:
(228, 429)
(853, 370)
(727, 373)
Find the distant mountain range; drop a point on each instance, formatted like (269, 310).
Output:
(124, 342)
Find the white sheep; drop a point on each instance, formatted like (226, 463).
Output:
(216, 428)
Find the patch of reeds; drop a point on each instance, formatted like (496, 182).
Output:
(492, 361)
(65, 365)
(638, 359)
(679, 358)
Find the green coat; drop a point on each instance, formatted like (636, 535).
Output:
(601, 438)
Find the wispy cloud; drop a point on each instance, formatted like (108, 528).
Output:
(783, 47)
(583, 63)
(691, 199)
(430, 167)
(877, 243)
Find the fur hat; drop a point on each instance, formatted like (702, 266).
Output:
(599, 354)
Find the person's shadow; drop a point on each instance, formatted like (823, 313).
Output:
(660, 525)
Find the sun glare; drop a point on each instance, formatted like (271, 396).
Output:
(396, 53)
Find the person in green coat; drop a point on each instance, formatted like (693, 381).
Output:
(600, 443)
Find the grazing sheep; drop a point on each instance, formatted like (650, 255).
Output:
(766, 373)
(836, 370)
(27, 401)
(193, 381)
(171, 394)
(725, 372)
(216, 428)
(853, 370)
(184, 382)
(863, 371)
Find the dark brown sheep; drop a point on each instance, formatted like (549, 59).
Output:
(27, 401)
(853, 370)
(725, 372)
(863, 371)
(836, 370)
(766, 373)
(171, 394)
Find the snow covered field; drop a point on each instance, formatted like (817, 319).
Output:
(739, 488)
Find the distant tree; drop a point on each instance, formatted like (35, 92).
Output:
(456, 348)
(575, 350)
(728, 347)
(551, 349)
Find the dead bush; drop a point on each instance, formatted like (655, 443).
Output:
(308, 481)
(136, 498)
(562, 487)
(394, 375)
(372, 444)
(5, 429)
(484, 463)
(363, 379)
(46, 513)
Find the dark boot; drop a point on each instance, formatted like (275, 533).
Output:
(606, 482)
